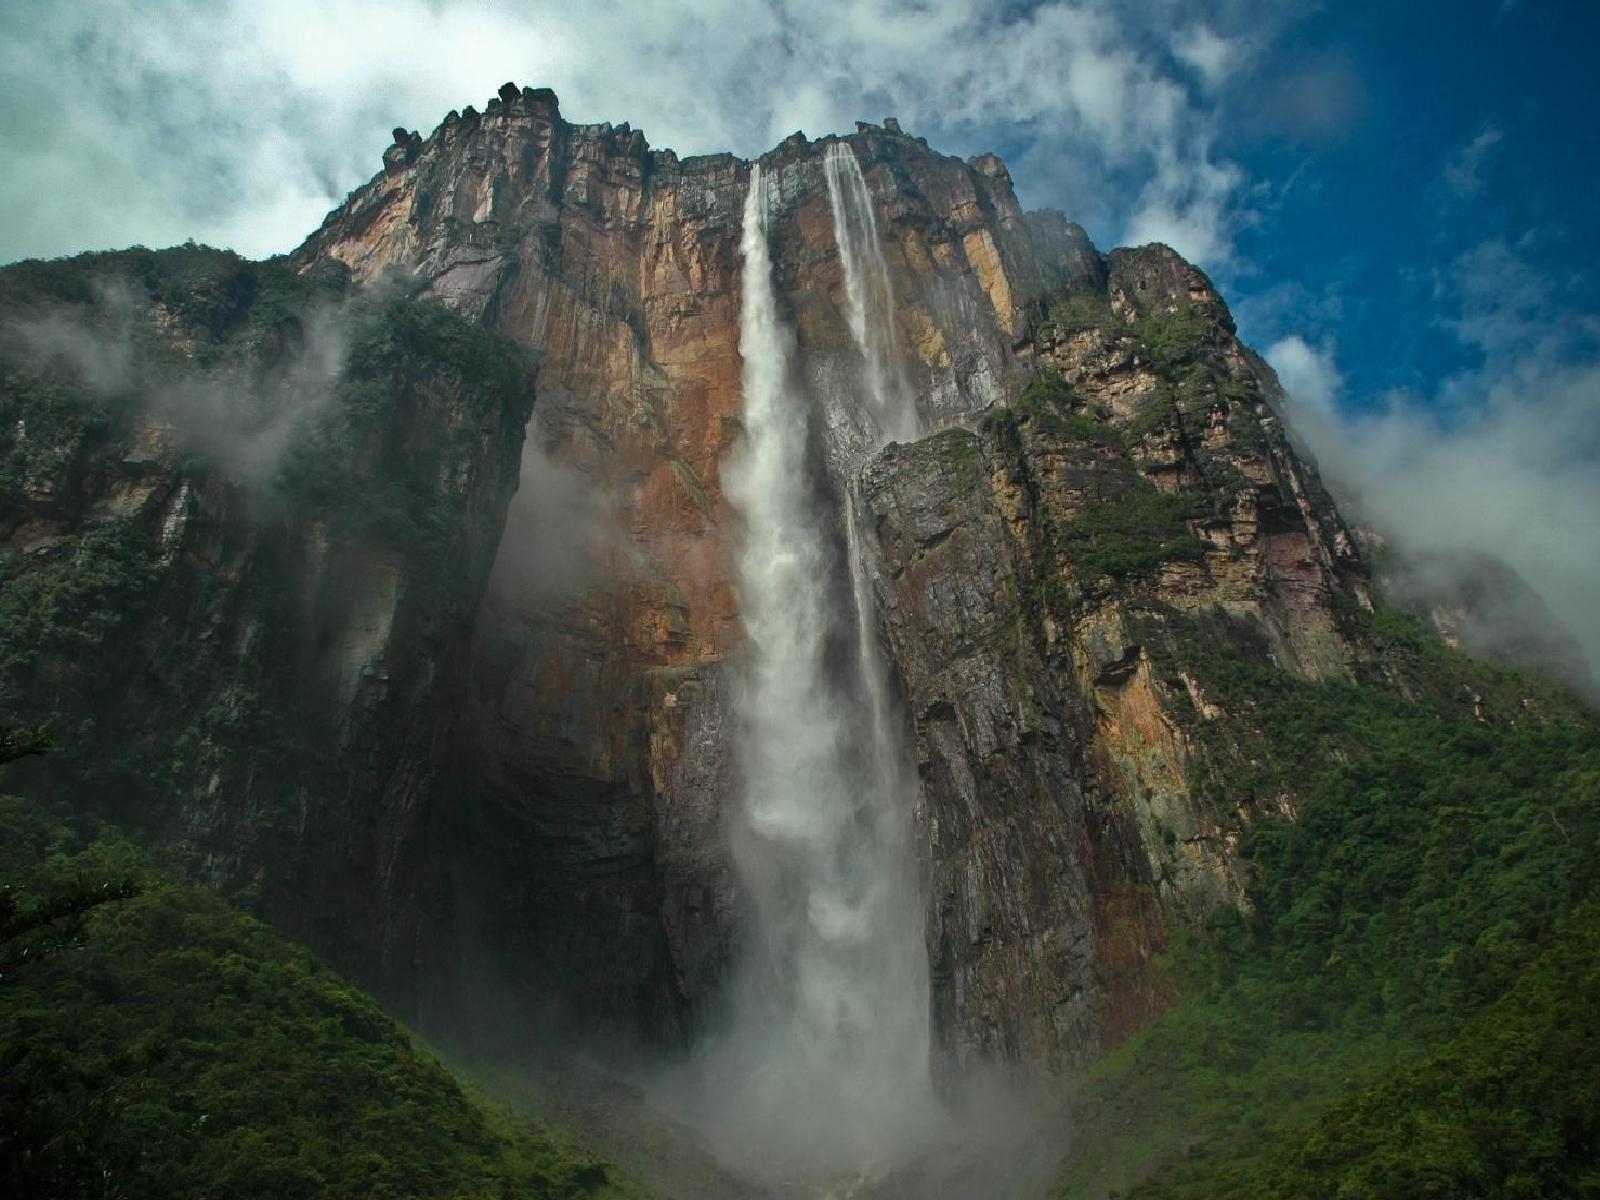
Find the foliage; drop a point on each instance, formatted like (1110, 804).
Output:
(1052, 408)
(1161, 414)
(1174, 338)
(1132, 533)
(1050, 403)
(67, 598)
(20, 741)
(44, 421)
(369, 466)
(1081, 310)
(384, 459)
(174, 1047)
(1510, 1107)
(1432, 860)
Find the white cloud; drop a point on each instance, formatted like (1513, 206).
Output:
(1464, 172)
(1210, 56)
(1503, 459)
(242, 123)
(1308, 373)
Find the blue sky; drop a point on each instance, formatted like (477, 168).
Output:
(1465, 123)
(1397, 197)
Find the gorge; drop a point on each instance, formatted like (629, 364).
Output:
(913, 636)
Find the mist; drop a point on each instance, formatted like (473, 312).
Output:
(243, 416)
(1500, 463)
(563, 531)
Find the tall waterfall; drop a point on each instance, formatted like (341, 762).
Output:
(870, 297)
(825, 1067)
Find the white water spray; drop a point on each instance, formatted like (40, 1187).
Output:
(825, 1069)
(870, 297)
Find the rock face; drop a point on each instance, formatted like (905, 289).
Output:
(1038, 575)
(528, 792)
(247, 525)
(597, 759)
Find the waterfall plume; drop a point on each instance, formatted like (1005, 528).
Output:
(825, 1066)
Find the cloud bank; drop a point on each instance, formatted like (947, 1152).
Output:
(241, 124)
(1502, 460)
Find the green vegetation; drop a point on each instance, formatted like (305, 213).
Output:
(1388, 1021)
(1081, 310)
(1133, 533)
(313, 415)
(376, 463)
(1050, 404)
(65, 599)
(954, 448)
(156, 1043)
(56, 417)
(1174, 338)
(1510, 1107)
(1161, 414)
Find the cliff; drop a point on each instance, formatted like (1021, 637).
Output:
(599, 746)
(391, 589)
(1061, 832)
(518, 788)
(248, 518)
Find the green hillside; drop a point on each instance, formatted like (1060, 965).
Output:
(1403, 1011)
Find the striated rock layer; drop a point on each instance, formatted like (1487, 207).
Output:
(597, 764)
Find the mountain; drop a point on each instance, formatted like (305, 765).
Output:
(595, 713)
(396, 590)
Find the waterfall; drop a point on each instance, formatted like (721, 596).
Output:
(870, 297)
(824, 1070)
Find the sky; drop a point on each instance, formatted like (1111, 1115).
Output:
(1396, 198)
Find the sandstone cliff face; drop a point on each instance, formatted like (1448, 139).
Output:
(1039, 574)
(1062, 832)
(598, 762)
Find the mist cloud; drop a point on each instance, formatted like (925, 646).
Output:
(1502, 460)
(244, 416)
(563, 531)
(1464, 172)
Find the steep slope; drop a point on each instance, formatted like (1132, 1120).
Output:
(1039, 574)
(1429, 874)
(527, 796)
(156, 1042)
(598, 748)
(604, 703)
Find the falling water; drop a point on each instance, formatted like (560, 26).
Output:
(870, 297)
(825, 1068)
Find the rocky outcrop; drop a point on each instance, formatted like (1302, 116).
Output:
(1038, 574)
(248, 521)
(1061, 829)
